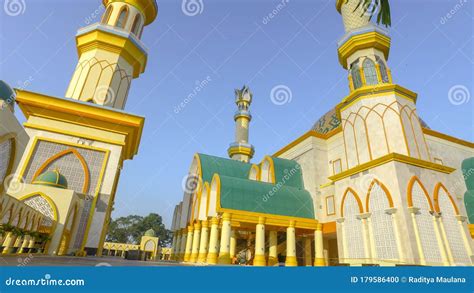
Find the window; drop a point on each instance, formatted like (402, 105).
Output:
(438, 161)
(136, 25)
(336, 166)
(122, 19)
(369, 72)
(383, 69)
(106, 17)
(6, 148)
(330, 206)
(355, 74)
(354, 239)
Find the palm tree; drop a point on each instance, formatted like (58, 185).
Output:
(379, 7)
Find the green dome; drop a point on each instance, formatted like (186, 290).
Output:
(150, 233)
(51, 178)
(6, 93)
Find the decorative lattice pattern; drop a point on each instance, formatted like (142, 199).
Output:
(353, 228)
(40, 204)
(370, 72)
(425, 224)
(5, 154)
(382, 224)
(453, 231)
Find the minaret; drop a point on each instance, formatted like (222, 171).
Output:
(111, 53)
(241, 150)
(378, 117)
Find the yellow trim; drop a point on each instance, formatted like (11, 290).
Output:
(384, 188)
(339, 5)
(240, 150)
(253, 217)
(308, 134)
(333, 205)
(376, 91)
(439, 186)
(271, 169)
(257, 170)
(47, 198)
(471, 230)
(448, 137)
(393, 157)
(146, 7)
(357, 198)
(67, 110)
(410, 192)
(72, 133)
(367, 40)
(113, 43)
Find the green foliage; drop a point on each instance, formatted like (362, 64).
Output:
(371, 7)
(131, 228)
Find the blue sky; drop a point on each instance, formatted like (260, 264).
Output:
(230, 43)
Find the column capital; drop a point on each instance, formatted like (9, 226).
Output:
(291, 224)
(261, 220)
(214, 221)
(197, 225)
(363, 216)
(391, 211)
(190, 229)
(204, 224)
(461, 218)
(319, 227)
(226, 217)
(413, 210)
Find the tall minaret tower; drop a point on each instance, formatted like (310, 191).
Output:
(241, 150)
(111, 53)
(378, 117)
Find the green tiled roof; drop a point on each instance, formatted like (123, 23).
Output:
(222, 166)
(267, 198)
(51, 178)
(288, 172)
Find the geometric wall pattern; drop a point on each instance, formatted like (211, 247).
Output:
(353, 228)
(40, 204)
(5, 154)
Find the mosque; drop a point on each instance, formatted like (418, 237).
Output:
(60, 169)
(369, 184)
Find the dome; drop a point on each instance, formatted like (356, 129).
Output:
(330, 121)
(149, 233)
(6, 93)
(51, 178)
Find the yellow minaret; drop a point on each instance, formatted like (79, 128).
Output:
(111, 53)
(241, 150)
(378, 117)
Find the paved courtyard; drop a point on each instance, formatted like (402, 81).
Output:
(41, 260)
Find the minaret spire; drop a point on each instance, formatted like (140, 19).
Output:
(364, 48)
(241, 149)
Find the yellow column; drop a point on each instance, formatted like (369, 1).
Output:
(8, 243)
(184, 240)
(212, 254)
(24, 244)
(177, 249)
(224, 251)
(32, 243)
(318, 246)
(413, 211)
(461, 220)
(204, 242)
(272, 250)
(189, 244)
(441, 236)
(233, 244)
(259, 259)
(291, 246)
(196, 239)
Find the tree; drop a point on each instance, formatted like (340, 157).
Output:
(131, 228)
(371, 6)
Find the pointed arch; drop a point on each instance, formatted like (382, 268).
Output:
(137, 22)
(370, 73)
(384, 188)
(415, 180)
(107, 14)
(85, 168)
(357, 198)
(254, 173)
(437, 189)
(51, 203)
(122, 17)
(267, 170)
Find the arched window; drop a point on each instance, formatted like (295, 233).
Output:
(369, 72)
(122, 18)
(137, 23)
(382, 223)
(451, 226)
(6, 150)
(353, 233)
(106, 16)
(383, 69)
(355, 74)
(419, 199)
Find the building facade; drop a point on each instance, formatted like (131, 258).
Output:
(384, 188)
(66, 159)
